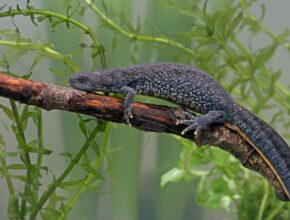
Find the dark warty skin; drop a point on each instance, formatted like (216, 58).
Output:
(198, 92)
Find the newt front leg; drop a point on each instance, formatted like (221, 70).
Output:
(130, 95)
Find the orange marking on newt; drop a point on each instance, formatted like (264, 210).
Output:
(269, 163)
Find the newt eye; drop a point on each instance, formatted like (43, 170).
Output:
(82, 79)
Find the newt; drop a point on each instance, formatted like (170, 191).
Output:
(196, 91)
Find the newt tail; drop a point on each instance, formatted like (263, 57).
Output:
(269, 145)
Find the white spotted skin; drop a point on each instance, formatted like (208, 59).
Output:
(182, 85)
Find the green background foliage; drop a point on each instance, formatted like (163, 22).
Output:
(59, 165)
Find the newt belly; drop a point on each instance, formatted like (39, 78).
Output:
(270, 164)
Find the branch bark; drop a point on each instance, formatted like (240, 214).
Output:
(146, 117)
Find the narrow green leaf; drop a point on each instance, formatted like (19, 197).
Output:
(7, 111)
(42, 18)
(263, 8)
(4, 63)
(114, 42)
(32, 18)
(12, 154)
(50, 211)
(49, 214)
(17, 166)
(173, 175)
(38, 150)
(95, 148)
(264, 55)
(27, 76)
(276, 76)
(82, 125)
(138, 25)
(56, 23)
(36, 61)
(2, 7)
(71, 184)
(66, 154)
(86, 159)
(91, 170)
(2, 142)
(20, 140)
(45, 168)
(95, 185)
(13, 208)
(234, 23)
(19, 54)
(22, 178)
(56, 71)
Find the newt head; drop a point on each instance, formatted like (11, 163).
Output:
(92, 81)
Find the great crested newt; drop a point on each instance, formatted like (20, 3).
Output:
(197, 91)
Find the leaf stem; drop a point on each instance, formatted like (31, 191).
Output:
(136, 36)
(262, 27)
(26, 157)
(264, 200)
(86, 29)
(57, 182)
(43, 50)
(6, 174)
(89, 177)
(276, 210)
(40, 139)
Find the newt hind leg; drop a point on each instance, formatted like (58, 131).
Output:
(203, 122)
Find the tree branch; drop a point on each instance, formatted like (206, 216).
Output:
(146, 117)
